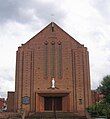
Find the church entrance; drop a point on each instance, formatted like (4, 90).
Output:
(53, 103)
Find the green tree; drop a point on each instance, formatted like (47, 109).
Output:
(102, 108)
(104, 88)
(98, 109)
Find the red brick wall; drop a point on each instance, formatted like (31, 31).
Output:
(10, 102)
(32, 63)
(6, 115)
(96, 96)
(1, 103)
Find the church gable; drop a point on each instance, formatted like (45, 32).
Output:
(52, 32)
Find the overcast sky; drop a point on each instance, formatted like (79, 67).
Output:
(88, 21)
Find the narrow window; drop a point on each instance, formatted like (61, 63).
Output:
(52, 59)
(45, 59)
(59, 60)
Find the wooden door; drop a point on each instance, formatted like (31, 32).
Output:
(52, 103)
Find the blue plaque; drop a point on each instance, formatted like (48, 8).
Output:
(25, 100)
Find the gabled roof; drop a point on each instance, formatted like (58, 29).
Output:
(66, 33)
(57, 27)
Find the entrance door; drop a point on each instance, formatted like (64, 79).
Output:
(53, 103)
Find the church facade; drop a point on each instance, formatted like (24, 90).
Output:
(52, 73)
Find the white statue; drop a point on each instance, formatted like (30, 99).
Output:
(53, 83)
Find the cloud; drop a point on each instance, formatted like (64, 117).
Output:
(6, 82)
(5, 74)
(103, 7)
(24, 11)
(88, 21)
(3, 94)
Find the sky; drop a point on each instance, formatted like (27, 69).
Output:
(88, 21)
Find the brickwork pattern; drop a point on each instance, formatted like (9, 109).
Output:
(68, 64)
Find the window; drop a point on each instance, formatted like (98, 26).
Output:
(45, 59)
(80, 101)
(52, 59)
(59, 60)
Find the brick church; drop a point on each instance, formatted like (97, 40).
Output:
(52, 73)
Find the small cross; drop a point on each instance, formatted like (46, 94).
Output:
(52, 17)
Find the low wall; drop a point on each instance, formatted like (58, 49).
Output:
(5, 115)
(87, 115)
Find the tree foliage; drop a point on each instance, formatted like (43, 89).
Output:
(99, 109)
(104, 88)
(102, 108)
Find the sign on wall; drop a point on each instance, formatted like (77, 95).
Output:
(25, 100)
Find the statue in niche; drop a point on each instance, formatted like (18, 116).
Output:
(53, 83)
